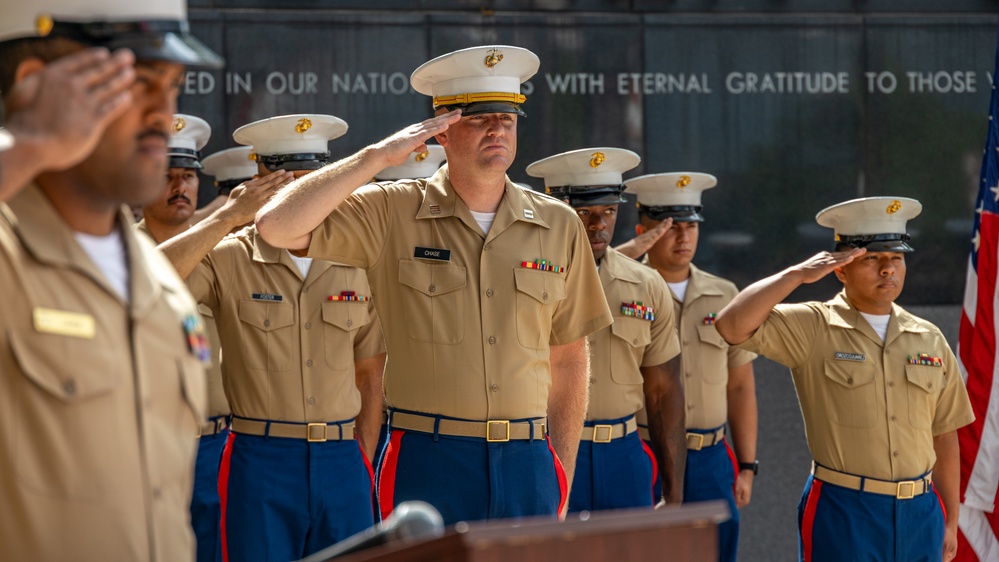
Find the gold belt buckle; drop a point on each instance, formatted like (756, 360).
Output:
(308, 433)
(899, 494)
(700, 441)
(489, 431)
(596, 432)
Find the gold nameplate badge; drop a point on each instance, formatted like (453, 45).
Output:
(62, 323)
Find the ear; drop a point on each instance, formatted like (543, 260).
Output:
(840, 275)
(27, 67)
(441, 139)
(639, 229)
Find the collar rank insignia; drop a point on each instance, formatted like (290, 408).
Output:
(925, 359)
(637, 309)
(528, 214)
(349, 296)
(709, 319)
(543, 265)
(435, 209)
(197, 341)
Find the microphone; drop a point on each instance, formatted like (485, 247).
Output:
(410, 521)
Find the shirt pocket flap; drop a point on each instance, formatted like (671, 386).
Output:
(53, 364)
(195, 387)
(849, 374)
(205, 311)
(545, 287)
(431, 279)
(266, 316)
(926, 377)
(709, 335)
(346, 315)
(633, 331)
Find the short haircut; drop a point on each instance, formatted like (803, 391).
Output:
(15, 51)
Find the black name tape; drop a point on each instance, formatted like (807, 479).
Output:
(432, 254)
(267, 297)
(849, 356)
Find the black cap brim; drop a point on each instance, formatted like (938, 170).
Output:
(879, 246)
(179, 47)
(488, 107)
(185, 162)
(678, 214)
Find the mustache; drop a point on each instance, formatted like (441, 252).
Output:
(178, 197)
(153, 133)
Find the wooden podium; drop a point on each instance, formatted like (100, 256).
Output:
(687, 533)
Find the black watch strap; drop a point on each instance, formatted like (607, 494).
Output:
(754, 466)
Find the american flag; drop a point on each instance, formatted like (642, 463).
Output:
(979, 523)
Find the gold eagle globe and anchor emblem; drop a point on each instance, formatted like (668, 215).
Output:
(44, 24)
(179, 124)
(422, 156)
(493, 57)
(895, 207)
(683, 182)
(303, 125)
(597, 159)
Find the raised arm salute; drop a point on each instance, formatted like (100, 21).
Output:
(486, 291)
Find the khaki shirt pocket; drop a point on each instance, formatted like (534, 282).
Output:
(925, 383)
(195, 387)
(631, 337)
(341, 320)
(713, 363)
(435, 308)
(538, 293)
(267, 341)
(67, 415)
(851, 395)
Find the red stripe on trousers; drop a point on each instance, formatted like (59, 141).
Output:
(655, 471)
(943, 508)
(223, 487)
(735, 463)
(386, 477)
(808, 520)
(563, 483)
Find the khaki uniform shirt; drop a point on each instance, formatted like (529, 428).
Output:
(99, 399)
(618, 352)
(867, 411)
(468, 326)
(288, 351)
(217, 404)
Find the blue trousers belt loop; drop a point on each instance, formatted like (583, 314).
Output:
(531, 423)
(267, 429)
(437, 429)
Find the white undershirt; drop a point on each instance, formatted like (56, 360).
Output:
(879, 322)
(304, 264)
(485, 220)
(108, 254)
(679, 289)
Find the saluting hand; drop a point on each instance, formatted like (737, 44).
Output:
(395, 149)
(821, 264)
(644, 242)
(248, 197)
(64, 108)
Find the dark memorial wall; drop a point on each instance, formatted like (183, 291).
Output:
(792, 105)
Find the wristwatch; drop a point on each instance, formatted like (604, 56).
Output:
(754, 466)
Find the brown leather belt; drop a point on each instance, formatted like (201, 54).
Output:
(904, 490)
(311, 432)
(493, 431)
(698, 441)
(213, 426)
(605, 433)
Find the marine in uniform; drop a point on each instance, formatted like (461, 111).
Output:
(295, 332)
(230, 168)
(880, 391)
(101, 382)
(717, 378)
(634, 361)
(165, 218)
(487, 289)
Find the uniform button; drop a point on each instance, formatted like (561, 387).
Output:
(312, 401)
(893, 418)
(684, 342)
(432, 288)
(891, 383)
(544, 296)
(489, 292)
(267, 323)
(690, 375)
(308, 325)
(849, 380)
(634, 341)
(494, 387)
(308, 363)
(929, 385)
(305, 290)
(350, 323)
(157, 492)
(492, 339)
(593, 380)
(690, 406)
(69, 387)
(894, 453)
(486, 248)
